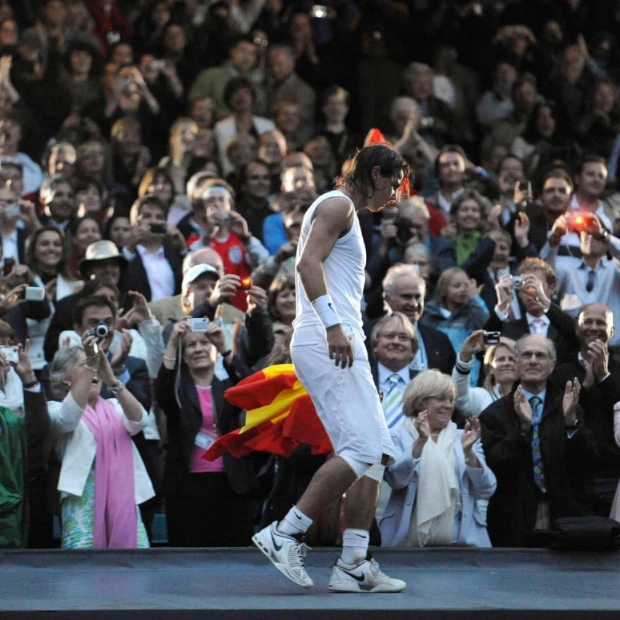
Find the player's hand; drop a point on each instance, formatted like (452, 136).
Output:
(339, 346)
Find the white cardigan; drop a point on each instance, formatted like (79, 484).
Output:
(76, 447)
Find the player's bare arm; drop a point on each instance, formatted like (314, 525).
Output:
(332, 219)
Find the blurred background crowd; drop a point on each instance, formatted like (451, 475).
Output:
(156, 161)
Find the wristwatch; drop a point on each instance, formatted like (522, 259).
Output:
(117, 388)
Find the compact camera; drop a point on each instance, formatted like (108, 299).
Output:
(516, 281)
(10, 354)
(491, 337)
(246, 284)
(101, 330)
(34, 293)
(198, 325)
(580, 220)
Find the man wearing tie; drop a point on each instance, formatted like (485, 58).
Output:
(538, 448)
(394, 344)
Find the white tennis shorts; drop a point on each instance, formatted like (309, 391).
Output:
(346, 399)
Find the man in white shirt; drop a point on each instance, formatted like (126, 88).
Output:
(154, 267)
(590, 182)
(593, 277)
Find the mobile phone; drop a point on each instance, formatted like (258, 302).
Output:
(9, 263)
(198, 325)
(491, 337)
(158, 65)
(35, 293)
(157, 228)
(319, 11)
(525, 187)
(10, 354)
(246, 284)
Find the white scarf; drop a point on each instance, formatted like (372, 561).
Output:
(438, 496)
(12, 396)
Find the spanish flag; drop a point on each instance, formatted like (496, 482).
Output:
(280, 416)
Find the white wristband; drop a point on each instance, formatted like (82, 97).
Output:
(325, 310)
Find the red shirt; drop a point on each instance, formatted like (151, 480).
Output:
(235, 259)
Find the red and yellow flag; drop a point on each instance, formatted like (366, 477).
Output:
(280, 416)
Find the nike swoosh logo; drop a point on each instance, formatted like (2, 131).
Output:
(300, 517)
(332, 307)
(275, 544)
(361, 536)
(359, 578)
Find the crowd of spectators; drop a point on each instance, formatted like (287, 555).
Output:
(156, 161)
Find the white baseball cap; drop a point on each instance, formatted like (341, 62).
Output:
(194, 272)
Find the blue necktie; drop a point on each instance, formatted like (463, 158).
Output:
(539, 475)
(393, 401)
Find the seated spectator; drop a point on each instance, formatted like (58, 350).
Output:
(281, 307)
(394, 344)
(439, 473)
(240, 151)
(25, 425)
(239, 97)
(496, 103)
(118, 230)
(83, 71)
(538, 447)
(421, 258)
(154, 260)
(102, 477)
(323, 163)
(500, 373)
(457, 310)
(209, 504)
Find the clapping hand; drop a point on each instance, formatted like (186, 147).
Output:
(522, 230)
(570, 402)
(523, 410)
(471, 434)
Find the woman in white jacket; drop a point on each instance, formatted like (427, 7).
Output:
(439, 472)
(102, 477)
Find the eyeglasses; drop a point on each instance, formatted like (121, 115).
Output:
(400, 336)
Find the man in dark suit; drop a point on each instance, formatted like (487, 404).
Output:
(538, 447)
(394, 344)
(539, 315)
(155, 264)
(600, 380)
(404, 291)
(59, 204)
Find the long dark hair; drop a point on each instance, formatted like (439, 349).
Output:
(31, 260)
(359, 175)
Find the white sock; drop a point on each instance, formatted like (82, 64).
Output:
(295, 522)
(354, 546)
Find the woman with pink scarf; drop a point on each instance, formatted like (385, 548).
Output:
(102, 477)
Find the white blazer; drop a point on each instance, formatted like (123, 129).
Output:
(76, 448)
(227, 129)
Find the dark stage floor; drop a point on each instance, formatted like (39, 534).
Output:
(224, 584)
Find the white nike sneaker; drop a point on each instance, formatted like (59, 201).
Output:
(364, 577)
(285, 552)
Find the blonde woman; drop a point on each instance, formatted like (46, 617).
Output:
(500, 373)
(439, 472)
